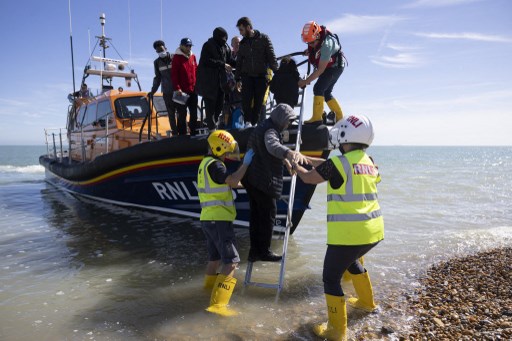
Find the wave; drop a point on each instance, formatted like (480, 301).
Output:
(30, 169)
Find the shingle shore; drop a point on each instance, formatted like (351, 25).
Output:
(468, 298)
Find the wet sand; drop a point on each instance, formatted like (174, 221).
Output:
(468, 298)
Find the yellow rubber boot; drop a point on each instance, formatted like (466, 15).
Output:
(221, 294)
(336, 326)
(364, 291)
(336, 108)
(318, 110)
(209, 281)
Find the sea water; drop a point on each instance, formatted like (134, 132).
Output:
(74, 269)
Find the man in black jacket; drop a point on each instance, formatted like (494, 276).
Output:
(255, 56)
(163, 76)
(211, 80)
(264, 179)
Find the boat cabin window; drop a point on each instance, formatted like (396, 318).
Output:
(104, 113)
(86, 115)
(80, 116)
(90, 114)
(131, 107)
(104, 109)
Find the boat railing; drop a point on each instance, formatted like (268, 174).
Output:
(56, 139)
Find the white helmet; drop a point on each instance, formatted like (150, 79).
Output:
(352, 129)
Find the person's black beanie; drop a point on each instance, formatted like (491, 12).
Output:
(220, 35)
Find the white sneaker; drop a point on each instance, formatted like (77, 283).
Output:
(247, 125)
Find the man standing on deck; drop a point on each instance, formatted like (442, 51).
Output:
(324, 52)
(183, 74)
(218, 212)
(162, 77)
(255, 55)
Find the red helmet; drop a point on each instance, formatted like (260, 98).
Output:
(310, 32)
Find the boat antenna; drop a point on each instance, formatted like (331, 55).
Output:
(130, 29)
(71, 43)
(103, 43)
(103, 40)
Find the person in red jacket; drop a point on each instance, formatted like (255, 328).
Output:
(183, 75)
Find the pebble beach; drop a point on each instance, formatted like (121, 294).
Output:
(468, 298)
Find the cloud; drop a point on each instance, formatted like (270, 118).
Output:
(12, 102)
(438, 3)
(459, 104)
(467, 36)
(357, 24)
(400, 57)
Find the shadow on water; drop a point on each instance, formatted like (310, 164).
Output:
(138, 275)
(143, 273)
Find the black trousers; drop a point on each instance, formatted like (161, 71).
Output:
(325, 83)
(182, 115)
(263, 216)
(253, 92)
(171, 111)
(339, 258)
(213, 108)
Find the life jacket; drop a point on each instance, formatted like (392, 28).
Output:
(217, 203)
(353, 212)
(314, 53)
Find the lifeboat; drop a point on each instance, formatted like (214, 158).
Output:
(117, 148)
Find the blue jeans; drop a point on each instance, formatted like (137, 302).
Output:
(325, 83)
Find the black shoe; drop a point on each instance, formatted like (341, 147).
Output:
(253, 257)
(270, 257)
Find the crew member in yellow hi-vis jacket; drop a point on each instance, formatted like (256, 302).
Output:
(354, 219)
(218, 212)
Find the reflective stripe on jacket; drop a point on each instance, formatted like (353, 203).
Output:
(353, 212)
(216, 199)
(162, 74)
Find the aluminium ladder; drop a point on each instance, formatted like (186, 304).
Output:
(291, 199)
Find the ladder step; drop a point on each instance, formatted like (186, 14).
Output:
(263, 285)
(279, 229)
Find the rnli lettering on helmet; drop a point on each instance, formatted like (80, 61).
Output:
(361, 169)
(224, 137)
(354, 121)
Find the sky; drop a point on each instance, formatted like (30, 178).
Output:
(426, 72)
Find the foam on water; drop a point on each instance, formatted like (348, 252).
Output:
(31, 169)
